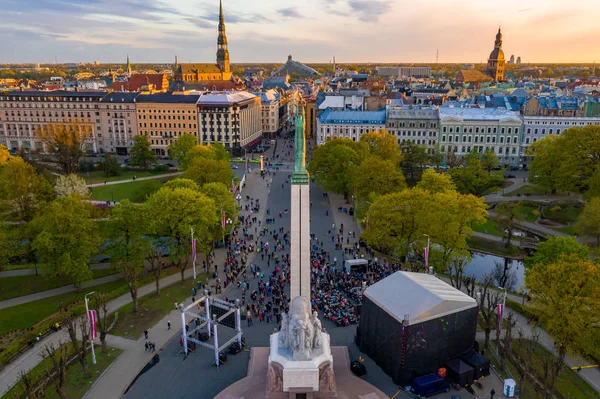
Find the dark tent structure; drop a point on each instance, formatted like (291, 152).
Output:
(459, 372)
(480, 364)
(411, 323)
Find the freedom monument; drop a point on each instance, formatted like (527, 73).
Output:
(300, 361)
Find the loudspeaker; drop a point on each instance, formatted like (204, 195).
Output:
(203, 336)
(234, 349)
(222, 358)
(358, 369)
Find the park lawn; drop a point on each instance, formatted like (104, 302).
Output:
(97, 176)
(152, 308)
(12, 287)
(570, 230)
(20, 266)
(76, 384)
(566, 214)
(526, 210)
(28, 314)
(481, 244)
(489, 227)
(530, 189)
(118, 192)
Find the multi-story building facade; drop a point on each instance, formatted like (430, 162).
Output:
(22, 113)
(420, 125)
(164, 117)
(348, 124)
(538, 127)
(560, 106)
(270, 111)
(118, 123)
(230, 118)
(465, 129)
(415, 72)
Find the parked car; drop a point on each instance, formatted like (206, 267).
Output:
(429, 384)
(126, 160)
(171, 165)
(234, 167)
(509, 176)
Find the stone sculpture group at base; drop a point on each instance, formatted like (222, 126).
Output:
(302, 331)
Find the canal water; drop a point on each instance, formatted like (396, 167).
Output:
(483, 264)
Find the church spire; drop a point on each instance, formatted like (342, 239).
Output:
(128, 67)
(222, 51)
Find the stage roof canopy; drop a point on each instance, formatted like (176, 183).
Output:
(422, 296)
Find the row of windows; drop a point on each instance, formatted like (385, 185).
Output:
(64, 99)
(480, 139)
(167, 117)
(170, 125)
(34, 105)
(481, 149)
(469, 129)
(415, 133)
(417, 141)
(421, 125)
(165, 111)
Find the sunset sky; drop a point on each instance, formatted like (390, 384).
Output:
(310, 30)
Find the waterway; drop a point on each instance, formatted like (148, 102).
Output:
(484, 264)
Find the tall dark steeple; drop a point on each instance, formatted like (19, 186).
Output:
(222, 51)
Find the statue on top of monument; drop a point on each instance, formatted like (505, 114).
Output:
(300, 142)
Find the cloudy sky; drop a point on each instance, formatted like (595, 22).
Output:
(310, 30)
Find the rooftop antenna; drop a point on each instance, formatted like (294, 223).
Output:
(437, 56)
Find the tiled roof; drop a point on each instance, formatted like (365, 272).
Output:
(168, 98)
(473, 75)
(121, 97)
(292, 66)
(225, 98)
(353, 117)
(199, 68)
(55, 93)
(478, 114)
(136, 81)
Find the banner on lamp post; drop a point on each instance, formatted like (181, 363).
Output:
(426, 256)
(246, 164)
(92, 320)
(223, 220)
(500, 311)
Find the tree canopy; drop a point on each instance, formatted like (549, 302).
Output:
(208, 170)
(376, 176)
(588, 222)
(568, 161)
(71, 185)
(65, 142)
(473, 179)
(553, 248)
(384, 145)
(181, 148)
(141, 154)
(436, 182)
(66, 238)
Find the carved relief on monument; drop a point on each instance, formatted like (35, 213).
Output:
(301, 331)
(275, 378)
(326, 378)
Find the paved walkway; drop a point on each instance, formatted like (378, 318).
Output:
(30, 272)
(56, 291)
(116, 379)
(111, 183)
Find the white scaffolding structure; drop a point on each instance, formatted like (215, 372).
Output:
(210, 323)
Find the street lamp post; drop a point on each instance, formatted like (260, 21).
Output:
(427, 252)
(193, 254)
(87, 310)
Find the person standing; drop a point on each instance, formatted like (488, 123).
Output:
(146, 334)
(168, 325)
(492, 393)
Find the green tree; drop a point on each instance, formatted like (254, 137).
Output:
(588, 222)
(566, 296)
(553, 248)
(141, 154)
(376, 176)
(181, 147)
(568, 161)
(111, 166)
(11, 247)
(333, 163)
(66, 238)
(173, 213)
(65, 142)
(206, 170)
(414, 159)
(224, 202)
(182, 183)
(383, 145)
(436, 182)
(509, 216)
(23, 189)
(489, 159)
(473, 179)
(128, 246)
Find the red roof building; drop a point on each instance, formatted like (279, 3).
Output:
(141, 81)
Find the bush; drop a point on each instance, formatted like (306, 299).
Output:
(555, 209)
(535, 212)
(159, 169)
(517, 307)
(86, 166)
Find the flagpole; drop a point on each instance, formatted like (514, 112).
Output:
(87, 312)
(194, 254)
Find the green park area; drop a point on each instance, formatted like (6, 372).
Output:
(98, 176)
(76, 384)
(152, 308)
(136, 191)
(12, 287)
(568, 384)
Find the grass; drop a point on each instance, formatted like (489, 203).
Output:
(97, 176)
(526, 210)
(20, 266)
(12, 287)
(152, 308)
(76, 384)
(489, 227)
(570, 230)
(563, 213)
(135, 191)
(28, 314)
(481, 244)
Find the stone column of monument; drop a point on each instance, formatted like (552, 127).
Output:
(300, 214)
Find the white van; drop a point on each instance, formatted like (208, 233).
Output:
(356, 265)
